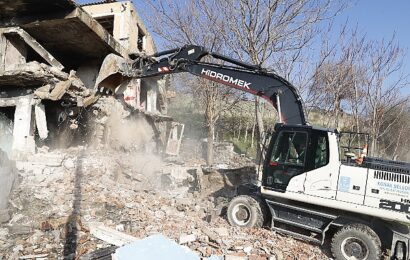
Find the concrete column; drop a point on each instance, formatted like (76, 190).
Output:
(23, 138)
(41, 120)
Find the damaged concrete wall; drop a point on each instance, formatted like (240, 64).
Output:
(128, 28)
(48, 62)
(49, 66)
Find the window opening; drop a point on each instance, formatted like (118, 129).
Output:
(141, 39)
(321, 152)
(107, 22)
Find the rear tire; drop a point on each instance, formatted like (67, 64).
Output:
(356, 241)
(246, 211)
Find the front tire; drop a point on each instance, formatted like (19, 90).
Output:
(246, 211)
(356, 241)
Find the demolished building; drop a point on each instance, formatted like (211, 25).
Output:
(51, 54)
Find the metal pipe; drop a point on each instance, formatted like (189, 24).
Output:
(233, 61)
(278, 107)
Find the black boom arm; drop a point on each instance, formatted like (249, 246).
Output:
(252, 79)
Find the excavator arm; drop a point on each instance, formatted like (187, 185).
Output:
(251, 79)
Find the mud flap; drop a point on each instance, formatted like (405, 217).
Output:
(400, 242)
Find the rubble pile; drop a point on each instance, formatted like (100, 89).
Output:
(65, 200)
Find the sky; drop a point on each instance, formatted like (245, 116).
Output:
(380, 19)
(377, 19)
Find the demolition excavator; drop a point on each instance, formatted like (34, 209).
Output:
(313, 186)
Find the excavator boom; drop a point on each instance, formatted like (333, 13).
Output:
(249, 78)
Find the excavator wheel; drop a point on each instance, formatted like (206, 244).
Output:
(356, 241)
(247, 211)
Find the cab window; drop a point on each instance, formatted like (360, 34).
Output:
(321, 150)
(287, 159)
(290, 148)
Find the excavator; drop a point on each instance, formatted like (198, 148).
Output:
(312, 186)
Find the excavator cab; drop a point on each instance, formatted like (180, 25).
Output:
(285, 157)
(294, 150)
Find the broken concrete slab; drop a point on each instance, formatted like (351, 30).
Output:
(20, 229)
(185, 239)
(30, 41)
(41, 121)
(59, 90)
(110, 235)
(31, 74)
(154, 247)
(65, 34)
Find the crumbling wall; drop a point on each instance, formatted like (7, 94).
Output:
(49, 100)
(128, 27)
(117, 128)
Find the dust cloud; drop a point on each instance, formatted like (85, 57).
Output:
(7, 172)
(129, 134)
(6, 134)
(132, 142)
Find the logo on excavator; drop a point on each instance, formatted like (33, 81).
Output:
(226, 78)
(395, 205)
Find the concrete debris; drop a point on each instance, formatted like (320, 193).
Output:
(59, 90)
(41, 121)
(70, 85)
(31, 74)
(20, 230)
(61, 194)
(222, 231)
(185, 239)
(40, 256)
(109, 235)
